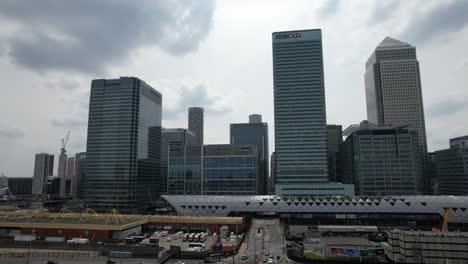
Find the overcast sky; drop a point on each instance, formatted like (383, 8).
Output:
(216, 55)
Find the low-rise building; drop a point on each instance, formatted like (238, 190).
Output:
(427, 247)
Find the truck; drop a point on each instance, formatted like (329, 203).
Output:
(78, 240)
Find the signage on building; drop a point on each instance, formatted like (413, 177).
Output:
(287, 35)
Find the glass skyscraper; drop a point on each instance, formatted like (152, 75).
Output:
(184, 172)
(124, 145)
(255, 132)
(300, 119)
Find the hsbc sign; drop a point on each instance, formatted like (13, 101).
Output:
(287, 35)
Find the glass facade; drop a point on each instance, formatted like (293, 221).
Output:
(171, 137)
(185, 169)
(213, 170)
(123, 148)
(229, 175)
(254, 133)
(383, 162)
(300, 118)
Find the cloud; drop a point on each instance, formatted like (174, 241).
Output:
(329, 8)
(447, 107)
(199, 97)
(383, 10)
(86, 36)
(450, 16)
(69, 123)
(11, 133)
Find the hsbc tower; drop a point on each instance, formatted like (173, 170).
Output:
(300, 117)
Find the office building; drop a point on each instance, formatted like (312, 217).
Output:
(123, 146)
(172, 137)
(231, 170)
(80, 172)
(43, 167)
(255, 118)
(393, 91)
(271, 180)
(53, 185)
(254, 133)
(62, 171)
(69, 176)
(300, 118)
(184, 172)
(20, 185)
(451, 168)
(195, 123)
(334, 144)
(214, 170)
(382, 160)
(409, 246)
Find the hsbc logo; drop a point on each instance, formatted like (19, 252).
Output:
(287, 35)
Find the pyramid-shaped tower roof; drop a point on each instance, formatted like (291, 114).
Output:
(389, 42)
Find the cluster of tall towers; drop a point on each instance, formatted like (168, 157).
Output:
(131, 160)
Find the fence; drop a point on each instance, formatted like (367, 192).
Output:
(50, 255)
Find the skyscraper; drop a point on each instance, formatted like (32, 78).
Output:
(300, 118)
(62, 171)
(171, 137)
(124, 145)
(255, 133)
(195, 123)
(70, 176)
(80, 171)
(43, 167)
(393, 91)
(334, 147)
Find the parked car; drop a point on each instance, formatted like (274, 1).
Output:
(52, 262)
(110, 261)
(244, 257)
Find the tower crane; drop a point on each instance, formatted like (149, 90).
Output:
(64, 142)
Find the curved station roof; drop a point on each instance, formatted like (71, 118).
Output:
(209, 205)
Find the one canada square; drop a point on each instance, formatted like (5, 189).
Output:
(300, 118)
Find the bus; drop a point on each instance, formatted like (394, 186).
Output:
(185, 237)
(196, 238)
(191, 236)
(203, 237)
(178, 235)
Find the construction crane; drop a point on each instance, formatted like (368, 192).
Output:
(64, 142)
(446, 219)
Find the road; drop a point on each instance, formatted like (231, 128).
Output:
(266, 235)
